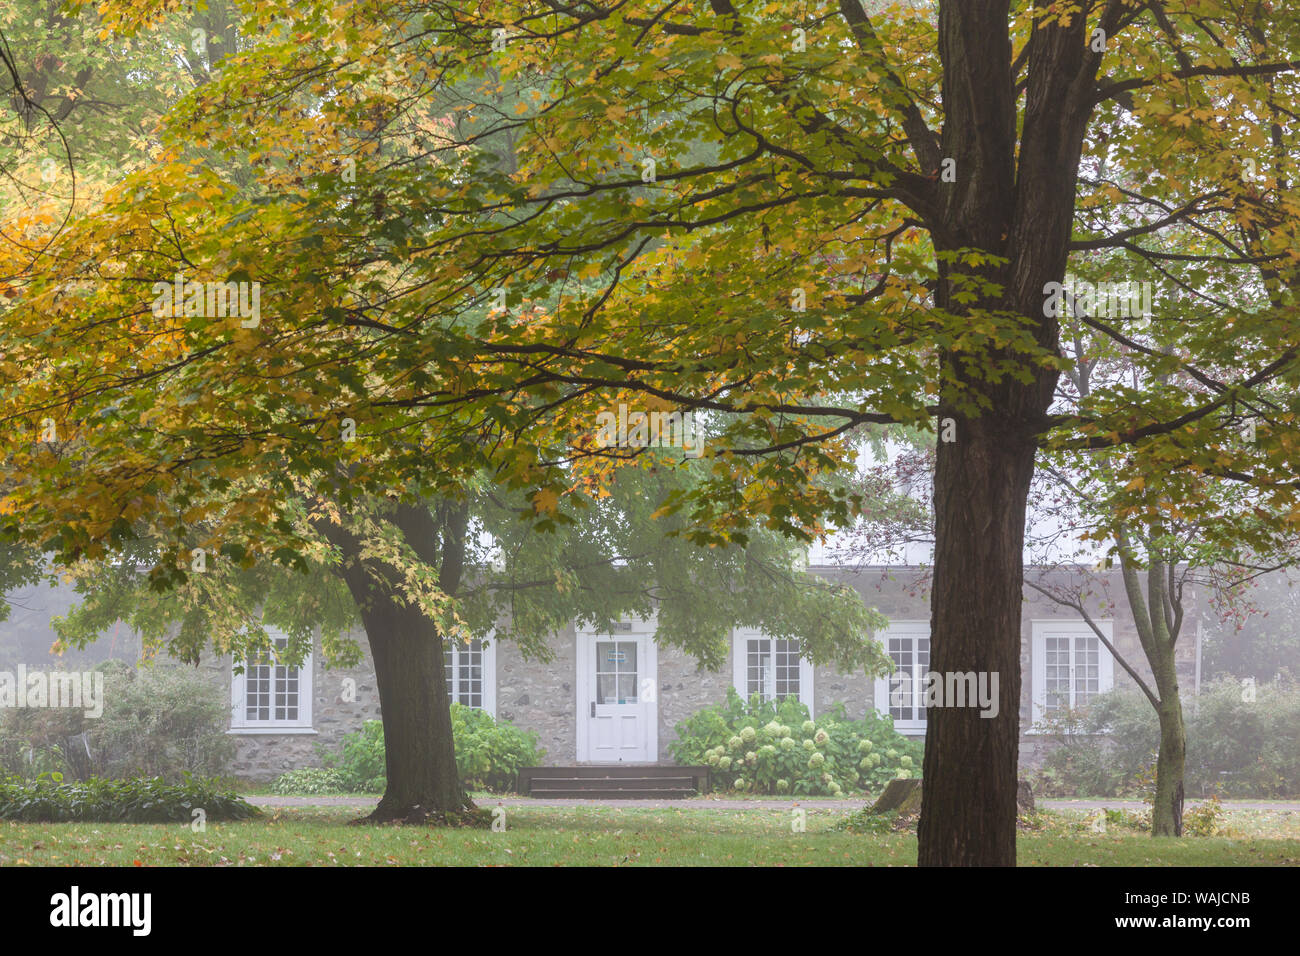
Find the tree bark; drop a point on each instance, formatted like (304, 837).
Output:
(968, 807)
(1159, 621)
(419, 752)
(407, 649)
(1167, 811)
(1166, 623)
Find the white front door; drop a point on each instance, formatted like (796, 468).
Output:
(617, 695)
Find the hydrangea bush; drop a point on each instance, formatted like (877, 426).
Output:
(775, 748)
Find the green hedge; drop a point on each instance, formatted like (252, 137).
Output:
(490, 752)
(139, 800)
(764, 747)
(359, 763)
(309, 780)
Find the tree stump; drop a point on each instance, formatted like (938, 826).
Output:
(1024, 797)
(901, 795)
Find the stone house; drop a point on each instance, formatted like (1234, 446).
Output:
(617, 697)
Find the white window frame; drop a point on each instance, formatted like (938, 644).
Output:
(902, 629)
(1041, 630)
(741, 637)
(239, 722)
(489, 670)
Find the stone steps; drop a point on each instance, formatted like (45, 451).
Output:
(614, 782)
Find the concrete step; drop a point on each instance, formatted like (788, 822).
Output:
(616, 779)
(613, 783)
(621, 794)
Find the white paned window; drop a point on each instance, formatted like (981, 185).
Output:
(471, 673)
(271, 696)
(770, 667)
(901, 695)
(1071, 665)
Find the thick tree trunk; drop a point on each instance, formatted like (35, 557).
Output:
(1017, 204)
(968, 807)
(419, 752)
(407, 649)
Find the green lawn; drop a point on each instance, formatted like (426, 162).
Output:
(612, 837)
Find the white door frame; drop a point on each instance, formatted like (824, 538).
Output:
(647, 670)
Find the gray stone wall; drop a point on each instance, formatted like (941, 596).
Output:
(897, 593)
(542, 697)
(684, 688)
(902, 594)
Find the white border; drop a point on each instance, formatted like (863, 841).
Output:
(489, 669)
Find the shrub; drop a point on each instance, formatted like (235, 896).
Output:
(1240, 748)
(829, 756)
(489, 753)
(1244, 748)
(360, 763)
(162, 721)
(139, 800)
(311, 780)
(1078, 766)
(1205, 819)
